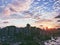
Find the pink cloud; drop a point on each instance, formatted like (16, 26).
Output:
(17, 6)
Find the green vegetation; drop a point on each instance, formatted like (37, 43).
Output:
(27, 35)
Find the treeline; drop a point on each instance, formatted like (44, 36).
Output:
(27, 35)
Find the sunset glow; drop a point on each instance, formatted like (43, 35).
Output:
(34, 12)
(29, 22)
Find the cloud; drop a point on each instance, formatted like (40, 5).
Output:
(58, 20)
(22, 15)
(17, 22)
(14, 9)
(17, 6)
(49, 15)
(57, 16)
(5, 22)
(56, 5)
(43, 20)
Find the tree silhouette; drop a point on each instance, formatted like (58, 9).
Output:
(27, 35)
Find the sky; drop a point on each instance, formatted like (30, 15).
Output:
(37, 13)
